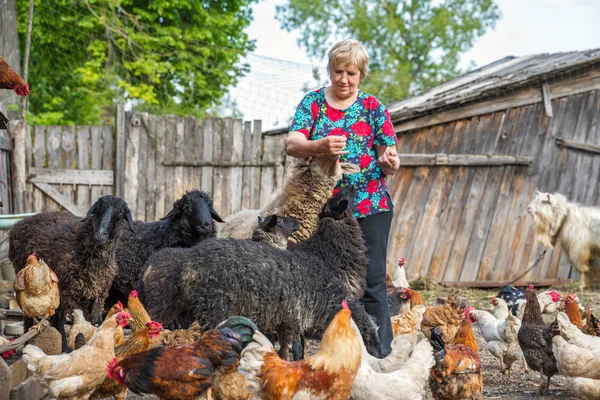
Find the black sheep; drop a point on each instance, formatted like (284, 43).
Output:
(285, 292)
(191, 220)
(80, 251)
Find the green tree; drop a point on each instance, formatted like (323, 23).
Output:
(413, 44)
(164, 56)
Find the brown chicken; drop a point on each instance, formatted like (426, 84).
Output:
(81, 325)
(177, 336)
(535, 339)
(76, 375)
(186, 371)
(9, 79)
(447, 316)
(139, 314)
(136, 343)
(36, 288)
(572, 311)
(592, 325)
(328, 374)
(456, 374)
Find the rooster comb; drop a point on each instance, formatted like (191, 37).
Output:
(401, 262)
(110, 367)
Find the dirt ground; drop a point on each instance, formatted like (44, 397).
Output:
(495, 386)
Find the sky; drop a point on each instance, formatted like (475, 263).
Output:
(281, 70)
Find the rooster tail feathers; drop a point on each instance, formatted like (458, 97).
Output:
(243, 326)
(437, 341)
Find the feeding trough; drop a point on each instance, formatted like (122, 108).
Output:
(8, 220)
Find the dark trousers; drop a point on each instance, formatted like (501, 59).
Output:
(376, 229)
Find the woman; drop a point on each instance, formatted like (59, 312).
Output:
(343, 122)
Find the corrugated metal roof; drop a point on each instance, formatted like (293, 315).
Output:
(504, 74)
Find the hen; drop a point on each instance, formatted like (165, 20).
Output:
(576, 361)
(36, 288)
(139, 314)
(456, 373)
(9, 79)
(408, 322)
(328, 374)
(76, 375)
(395, 286)
(186, 371)
(592, 325)
(136, 343)
(447, 316)
(574, 335)
(535, 339)
(406, 371)
(500, 332)
(83, 326)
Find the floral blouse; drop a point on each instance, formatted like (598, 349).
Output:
(365, 123)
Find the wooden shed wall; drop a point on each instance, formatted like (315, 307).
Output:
(469, 223)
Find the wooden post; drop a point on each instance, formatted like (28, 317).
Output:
(119, 189)
(19, 130)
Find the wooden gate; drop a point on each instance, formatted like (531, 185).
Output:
(69, 167)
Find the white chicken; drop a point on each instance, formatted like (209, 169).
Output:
(575, 361)
(573, 335)
(399, 275)
(500, 331)
(406, 382)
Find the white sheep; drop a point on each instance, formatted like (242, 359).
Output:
(309, 185)
(575, 227)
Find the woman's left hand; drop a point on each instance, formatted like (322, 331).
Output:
(389, 161)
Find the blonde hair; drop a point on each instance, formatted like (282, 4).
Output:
(349, 52)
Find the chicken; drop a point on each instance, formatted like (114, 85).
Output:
(395, 286)
(185, 371)
(399, 275)
(456, 373)
(36, 288)
(585, 388)
(9, 79)
(592, 325)
(136, 343)
(535, 339)
(405, 370)
(550, 301)
(328, 374)
(139, 314)
(513, 297)
(177, 336)
(576, 361)
(408, 322)
(81, 325)
(574, 335)
(75, 375)
(447, 316)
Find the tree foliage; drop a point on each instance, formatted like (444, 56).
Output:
(162, 55)
(413, 44)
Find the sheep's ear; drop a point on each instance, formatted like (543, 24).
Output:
(268, 222)
(173, 213)
(128, 218)
(215, 215)
(297, 167)
(349, 168)
(90, 211)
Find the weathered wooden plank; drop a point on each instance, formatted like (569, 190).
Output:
(120, 161)
(237, 155)
(269, 176)
(71, 176)
(222, 164)
(150, 200)
(83, 154)
(19, 172)
(39, 146)
(198, 135)
(247, 171)
(217, 154)
(188, 151)
(207, 155)
(160, 206)
(132, 152)
(70, 158)
(171, 126)
(96, 139)
(547, 99)
(257, 151)
(53, 146)
(142, 168)
(227, 154)
(440, 159)
(576, 145)
(61, 199)
(108, 152)
(179, 156)
(28, 163)
(593, 193)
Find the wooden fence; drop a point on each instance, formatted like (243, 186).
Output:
(150, 161)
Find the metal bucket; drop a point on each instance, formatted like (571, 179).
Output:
(8, 272)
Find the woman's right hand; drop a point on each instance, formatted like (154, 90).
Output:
(333, 146)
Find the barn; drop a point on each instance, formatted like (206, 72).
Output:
(473, 153)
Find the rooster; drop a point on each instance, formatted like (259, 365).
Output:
(186, 371)
(328, 374)
(456, 373)
(535, 339)
(76, 375)
(395, 286)
(36, 288)
(9, 79)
